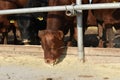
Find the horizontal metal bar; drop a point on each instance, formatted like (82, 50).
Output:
(61, 8)
(98, 6)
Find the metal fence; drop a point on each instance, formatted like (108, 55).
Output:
(78, 7)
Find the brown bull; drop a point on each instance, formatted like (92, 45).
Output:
(5, 24)
(91, 20)
(58, 25)
(106, 19)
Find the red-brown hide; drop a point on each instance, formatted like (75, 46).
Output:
(106, 19)
(4, 19)
(57, 21)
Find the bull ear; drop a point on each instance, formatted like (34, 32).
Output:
(61, 35)
(41, 33)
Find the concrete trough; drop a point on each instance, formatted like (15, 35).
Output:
(19, 62)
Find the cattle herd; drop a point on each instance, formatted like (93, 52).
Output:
(49, 29)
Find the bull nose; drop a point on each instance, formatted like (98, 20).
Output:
(51, 62)
(26, 41)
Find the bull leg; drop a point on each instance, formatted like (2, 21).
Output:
(73, 36)
(100, 35)
(4, 38)
(69, 43)
(116, 40)
(109, 35)
(14, 33)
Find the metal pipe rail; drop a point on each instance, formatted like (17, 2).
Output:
(61, 8)
(80, 33)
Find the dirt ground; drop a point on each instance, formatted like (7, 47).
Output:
(27, 63)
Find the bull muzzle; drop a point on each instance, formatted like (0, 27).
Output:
(26, 41)
(51, 62)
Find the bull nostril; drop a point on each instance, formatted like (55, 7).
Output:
(47, 61)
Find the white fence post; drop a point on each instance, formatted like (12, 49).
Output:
(80, 32)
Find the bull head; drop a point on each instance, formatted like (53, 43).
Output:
(52, 44)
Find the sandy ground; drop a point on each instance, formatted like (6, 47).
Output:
(19, 66)
(31, 68)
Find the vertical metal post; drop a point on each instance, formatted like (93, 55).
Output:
(80, 32)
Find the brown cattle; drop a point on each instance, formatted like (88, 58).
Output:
(106, 19)
(5, 24)
(91, 20)
(52, 44)
(58, 25)
(4, 21)
(27, 22)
